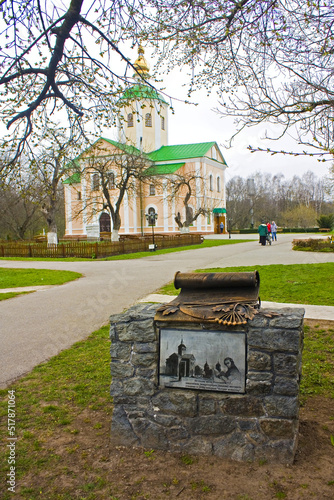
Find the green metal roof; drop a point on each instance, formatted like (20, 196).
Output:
(73, 179)
(181, 151)
(163, 154)
(164, 169)
(129, 149)
(138, 92)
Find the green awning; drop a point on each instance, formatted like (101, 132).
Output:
(219, 210)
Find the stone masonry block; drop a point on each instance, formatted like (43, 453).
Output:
(281, 406)
(144, 360)
(270, 339)
(121, 370)
(139, 331)
(286, 364)
(259, 360)
(120, 350)
(176, 403)
(286, 386)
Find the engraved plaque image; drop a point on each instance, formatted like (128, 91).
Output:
(202, 360)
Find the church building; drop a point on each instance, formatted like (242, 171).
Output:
(182, 186)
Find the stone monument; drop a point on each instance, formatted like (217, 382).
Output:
(209, 373)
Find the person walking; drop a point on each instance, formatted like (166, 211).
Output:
(263, 231)
(221, 225)
(274, 231)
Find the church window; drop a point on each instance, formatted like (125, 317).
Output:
(211, 182)
(152, 190)
(111, 180)
(95, 182)
(162, 123)
(78, 195)
(148, 120)
(130, 120)
(218, 184)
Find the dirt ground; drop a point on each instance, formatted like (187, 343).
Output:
(88, 467)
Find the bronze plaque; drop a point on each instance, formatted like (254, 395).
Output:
(202, 359)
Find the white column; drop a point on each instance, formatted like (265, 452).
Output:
(157, 131)
(134, 210)
(68, 198)
(84, 201)
(173, 213)
(205, 196)
(138, 122)
(198, 193)
(165, 205)
(126, 213)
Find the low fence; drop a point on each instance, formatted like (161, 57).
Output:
(99, 249)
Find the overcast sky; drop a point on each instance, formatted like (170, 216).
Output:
(201, 123)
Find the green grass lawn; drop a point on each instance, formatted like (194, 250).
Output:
(10, 295)
(296, 284)
(13, 278)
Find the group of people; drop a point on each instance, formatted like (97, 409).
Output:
(267, 232)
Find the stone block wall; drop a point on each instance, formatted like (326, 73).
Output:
(261, 424)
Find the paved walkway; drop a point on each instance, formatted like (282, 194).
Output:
(36, 326)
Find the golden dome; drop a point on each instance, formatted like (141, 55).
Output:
(140, 64)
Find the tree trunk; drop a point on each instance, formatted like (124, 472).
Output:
(114, 235)
(52, 238)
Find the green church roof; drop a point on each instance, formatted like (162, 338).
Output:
(181, 151)
(127, 148)
(73, 179)
(139, 92)
(164, 169)
(161, 155)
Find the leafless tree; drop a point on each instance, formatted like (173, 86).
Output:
(271, 61)
(183, 188)
(48, 162)
(59, 58)
(19, 212)
(284, 200)
(114, 175)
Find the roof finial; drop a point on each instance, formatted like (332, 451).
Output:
(140, 64)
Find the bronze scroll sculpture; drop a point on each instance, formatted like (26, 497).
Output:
(224, 298)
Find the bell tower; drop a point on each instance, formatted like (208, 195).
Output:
(144, 111)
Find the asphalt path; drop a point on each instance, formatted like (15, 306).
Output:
(36, 326)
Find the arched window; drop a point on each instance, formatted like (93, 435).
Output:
(105, 225)
(95, 182)
(211, 182)
(130, 120)
(162, 123)
(218, 184)
(152, 190)
(111, 180)
(151, 216)
(148, 120)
